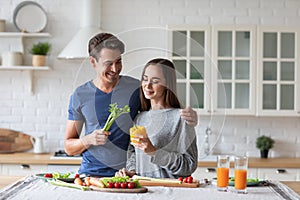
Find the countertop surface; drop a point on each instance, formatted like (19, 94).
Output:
(46, 158)
(37, 189)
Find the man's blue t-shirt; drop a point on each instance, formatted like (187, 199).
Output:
(90, 105)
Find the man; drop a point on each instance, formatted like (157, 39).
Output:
(104, 152)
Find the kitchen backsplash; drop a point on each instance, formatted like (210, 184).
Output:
(45, 112)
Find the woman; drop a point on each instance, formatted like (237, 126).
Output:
(169, 150)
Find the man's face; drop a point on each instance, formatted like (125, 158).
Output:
(109, 65)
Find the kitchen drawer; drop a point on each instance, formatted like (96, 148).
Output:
(205, 172)
(22, 169)
(283, 174)
(63, 168)
(211, 172)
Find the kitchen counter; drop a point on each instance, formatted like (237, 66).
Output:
(31, 158)
(37, 188)
(261, 163)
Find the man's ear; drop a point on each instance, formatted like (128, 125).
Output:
(93, 61)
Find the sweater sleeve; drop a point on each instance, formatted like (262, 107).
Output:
(182, 158)
(131, 158)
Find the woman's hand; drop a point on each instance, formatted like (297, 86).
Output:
(124, 172)
(97, 137)
(145, 145)
(190, 116)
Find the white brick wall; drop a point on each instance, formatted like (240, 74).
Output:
(46, 111)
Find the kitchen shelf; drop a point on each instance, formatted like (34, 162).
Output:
(24, 68)
(20, 34)
(29, 70)
(20, 37)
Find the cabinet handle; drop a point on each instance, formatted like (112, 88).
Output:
(210, 170)
(280, 171)
(25, 166)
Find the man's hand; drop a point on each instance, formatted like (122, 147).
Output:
(97, 137)
(190, 116)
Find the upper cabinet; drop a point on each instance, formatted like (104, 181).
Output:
(233, 70)
(278, 72)
(188, 51)
(237, 70)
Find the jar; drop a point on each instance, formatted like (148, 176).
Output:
(12, 58)
(2, 25)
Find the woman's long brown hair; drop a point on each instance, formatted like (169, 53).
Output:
(169, 74)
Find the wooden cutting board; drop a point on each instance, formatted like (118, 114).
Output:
(165, 184)
(120, 190)
(14, 141)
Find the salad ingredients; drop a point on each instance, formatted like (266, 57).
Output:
(78, 181)
(70, 185)
(48, 175)
(161, 180)
(87, 181)
(249, 180)
(60, 175)
(96, 182)
(120, 182)
(115, 112)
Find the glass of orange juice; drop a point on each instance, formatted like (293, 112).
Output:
(223, 164)
(136, 132)
(240, 174)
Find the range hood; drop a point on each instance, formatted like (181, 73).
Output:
(77, 48)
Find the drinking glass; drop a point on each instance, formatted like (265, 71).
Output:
(240, 174)
(136, 132)
(223, 164)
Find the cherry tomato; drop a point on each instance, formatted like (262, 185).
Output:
(185, 180)
(117, 185)
(48, 175)
(190, 179)
(123, 185)
(131, 185)
(77, 176)
(110, 185)
(180, 179)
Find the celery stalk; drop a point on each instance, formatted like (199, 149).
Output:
(115, 112)
(70, 185)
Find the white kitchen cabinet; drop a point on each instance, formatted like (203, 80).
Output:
(237, 70)
(189, 47)
(233, 71)
(63, 168)
(286, 174)
(22, 169)
(211, 172)
(278, 72)
(31, 169)
(281, 174)
(205, 172)
(218, 75)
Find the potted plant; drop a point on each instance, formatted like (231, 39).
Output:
(264, 143)
(39, 52)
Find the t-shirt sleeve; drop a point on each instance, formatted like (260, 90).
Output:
(74, 111)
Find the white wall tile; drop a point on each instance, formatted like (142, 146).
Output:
(46, 110)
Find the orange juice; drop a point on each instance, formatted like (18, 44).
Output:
(222, 177)
(240, 179)
(135, 132)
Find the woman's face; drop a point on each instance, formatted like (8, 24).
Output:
(153, 84)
